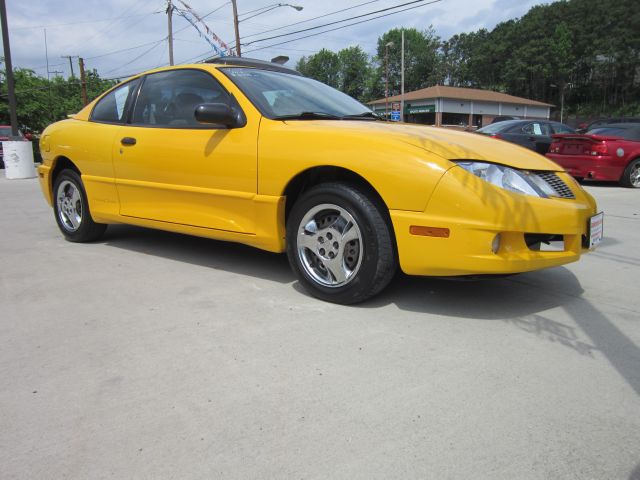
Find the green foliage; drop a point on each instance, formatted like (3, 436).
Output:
(347, 70)
(41, 101)
(324, 66)
(588, 50)
(421, 59)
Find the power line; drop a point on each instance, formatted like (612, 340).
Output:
(311, 19)
(345, 26)
(138, 57)
(346, 20)
(54, 25)
(126, 49)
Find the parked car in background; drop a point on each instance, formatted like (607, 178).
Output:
(609, 152)
(532, 134)
(586, 127)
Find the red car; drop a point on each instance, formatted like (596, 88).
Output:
(608, 152)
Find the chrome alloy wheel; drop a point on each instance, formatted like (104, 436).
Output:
(634, 175)
(330, 246)
(70, 208)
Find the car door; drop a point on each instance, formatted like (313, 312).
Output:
(170, 168)
(536, 136)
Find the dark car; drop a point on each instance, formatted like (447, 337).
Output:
(586, 127)
(609, 152)
(532, 134)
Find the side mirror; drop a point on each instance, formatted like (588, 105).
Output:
(220, 114)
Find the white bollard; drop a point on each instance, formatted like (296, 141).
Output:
(18, 159)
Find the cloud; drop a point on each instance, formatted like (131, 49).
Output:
(105, 32)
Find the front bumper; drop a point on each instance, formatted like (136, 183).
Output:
(475, 212)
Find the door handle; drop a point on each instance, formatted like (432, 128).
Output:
(128, 141)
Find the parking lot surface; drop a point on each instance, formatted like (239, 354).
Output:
(155, 355)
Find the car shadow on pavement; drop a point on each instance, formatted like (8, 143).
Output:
(518, 299)
(490, 298)
(219, 255)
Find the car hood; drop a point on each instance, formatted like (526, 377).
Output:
(448, 144)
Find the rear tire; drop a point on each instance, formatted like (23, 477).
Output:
(631, 176)
(339, 243)
(71, 209)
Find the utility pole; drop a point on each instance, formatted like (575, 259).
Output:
(11, 88)
(170, 30)
(70, 62)
(402, 79)
(386, 79)
(235, 25)
(83, 81)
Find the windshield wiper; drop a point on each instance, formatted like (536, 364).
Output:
(308, 116)
(358, 116)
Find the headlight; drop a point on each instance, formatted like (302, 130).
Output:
(517, 181)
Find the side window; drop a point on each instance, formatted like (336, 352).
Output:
(169, 99)
(113, 107)
(528, 129)
(535, 128)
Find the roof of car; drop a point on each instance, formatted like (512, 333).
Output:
(620, 125)
(252, 62)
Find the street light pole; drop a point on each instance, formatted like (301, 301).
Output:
(386, 79)
(402, 80)
(236, 26)
(170, 30)
(268, 8)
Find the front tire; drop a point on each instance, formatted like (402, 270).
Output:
(71, 209)
(339, 243)
(631, 176)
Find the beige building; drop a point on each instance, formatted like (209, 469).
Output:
(454, 106)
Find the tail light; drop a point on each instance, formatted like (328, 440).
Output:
(496, 135)
(555, 147)
(595, 149)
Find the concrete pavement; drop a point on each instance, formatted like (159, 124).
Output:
(153, 355)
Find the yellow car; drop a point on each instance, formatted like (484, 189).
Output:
(252, 152)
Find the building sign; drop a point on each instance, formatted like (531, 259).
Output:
(395, 112)
(422, 109)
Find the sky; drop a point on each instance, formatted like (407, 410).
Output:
(123, 37)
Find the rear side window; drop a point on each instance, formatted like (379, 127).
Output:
(113, 107)
(560, 128)
(169, 99)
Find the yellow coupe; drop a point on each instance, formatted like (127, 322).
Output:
(252, 152)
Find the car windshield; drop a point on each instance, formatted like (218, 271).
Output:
(282, 95)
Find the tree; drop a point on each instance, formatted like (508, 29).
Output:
(421, 58)
(323, 66)
(41, 101)
(353, 72)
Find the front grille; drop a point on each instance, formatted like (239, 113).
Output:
(561, 188)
